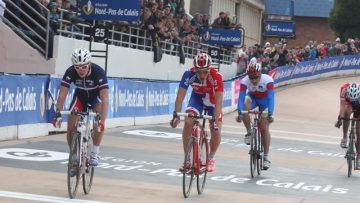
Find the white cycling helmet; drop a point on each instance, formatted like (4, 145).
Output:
(81, 56)
(353, 92)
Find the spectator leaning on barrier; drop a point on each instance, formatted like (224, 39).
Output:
(54, 17)
(2, 6)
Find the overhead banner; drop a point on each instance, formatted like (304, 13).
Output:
(124, 10)
(223, 36)
(279, 29)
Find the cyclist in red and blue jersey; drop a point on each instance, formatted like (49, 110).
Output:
(257, 90)
(207, 93)
(91, 91)
(350, 103)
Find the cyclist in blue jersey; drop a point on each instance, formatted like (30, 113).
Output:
(257, 90)
(91, 91)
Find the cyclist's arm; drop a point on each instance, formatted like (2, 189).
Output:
(61, 98)
(271, 97)
(179, 99)
(242, 95)
(104, 96)
(218, 104)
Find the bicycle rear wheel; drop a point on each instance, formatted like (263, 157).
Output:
(88, 174)
(188, 172)
(73, 173)
(203, 157)
(252, 152)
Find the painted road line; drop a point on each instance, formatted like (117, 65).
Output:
(42, 198)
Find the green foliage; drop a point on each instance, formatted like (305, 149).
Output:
(345, 18)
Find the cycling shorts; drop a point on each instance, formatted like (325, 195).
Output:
(197, 106)
(256, 102)
(82, 105)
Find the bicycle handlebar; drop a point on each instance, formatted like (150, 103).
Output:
(194, 116)
(76, 113)
(253, 112)
(348, 119)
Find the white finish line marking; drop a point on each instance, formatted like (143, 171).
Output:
(42, 198)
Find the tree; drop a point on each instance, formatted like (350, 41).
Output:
(345, 18)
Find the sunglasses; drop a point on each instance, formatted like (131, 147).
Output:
(82, 67)
(254, 78)
(202, 71)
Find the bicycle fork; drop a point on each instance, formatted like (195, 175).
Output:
(196, 161)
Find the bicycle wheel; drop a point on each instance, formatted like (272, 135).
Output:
(203, 157)
(252, 152)
(73, 173)
(259, 153)
(350, 155)
(88, 174)
(188, 173)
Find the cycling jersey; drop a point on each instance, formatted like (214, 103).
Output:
(87, 89)
(202, 93)
(343, 93)
(261, 95)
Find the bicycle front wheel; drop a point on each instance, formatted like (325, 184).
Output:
(188, 172)
(203, 157)
(252, 153)
(88, 174)
(259, 152)
(73, 173)
(350, 156)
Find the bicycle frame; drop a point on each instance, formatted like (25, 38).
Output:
(256, 149)
(197, 145)
(80, 145)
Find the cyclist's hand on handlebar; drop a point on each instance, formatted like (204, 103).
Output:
(338, 123)
(270, 118)
(239, 118)
(57, 120)
(175, 121)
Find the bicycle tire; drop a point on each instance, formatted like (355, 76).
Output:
(73, 181)
(188, 174)
(252, 152)
(203, 157)
(88, 174)
(349, 155)
(259, 156)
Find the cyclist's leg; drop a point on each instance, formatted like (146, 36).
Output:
(95, 104)
(76, 105)
(249, 104)
(264, 131)
(214, 140)
(346, 107)
(194, 107)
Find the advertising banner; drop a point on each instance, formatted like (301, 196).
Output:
(124, 10)
(22, 99)
(223, 36)
(279, 28)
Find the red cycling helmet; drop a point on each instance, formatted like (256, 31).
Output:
(254, 69)
(202, 61)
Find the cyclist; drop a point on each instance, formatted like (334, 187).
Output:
(207, 93)
(91, 91)
(257, 90)
(344, 112)
(353, 97)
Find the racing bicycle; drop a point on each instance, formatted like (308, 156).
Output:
(80, 149)
(198, 151)
(256, 151)
(351, 150)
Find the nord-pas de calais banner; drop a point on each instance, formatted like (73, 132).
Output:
(227, 100)
(22, 99)
(135, 98)
(223, 36)
(122, 10)
(279, 28)
(282, 73)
